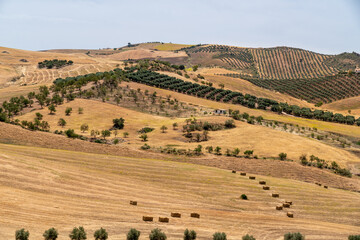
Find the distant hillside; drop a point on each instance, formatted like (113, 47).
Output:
(344, 61)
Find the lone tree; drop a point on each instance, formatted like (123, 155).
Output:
(68, 111)
(157, 234)
(105, 133)
(175, 125)
(78, 234)
(294, 236)
(189, 235)
(52, 109)
(22, 234)
(133, 234)
(125, 134)
(218, 150)
(219, 236)
(144, 137)
(62, 122)
(282, 156)
(50, 234)
(80, 110)
(163, 128)
(101, 234)
(118, 123)
(84, 127)
(39, 116)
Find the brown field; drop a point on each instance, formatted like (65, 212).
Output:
(43, 188)
(343, 106)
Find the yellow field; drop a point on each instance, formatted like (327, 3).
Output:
(43, 188)
(99, 116)
(171, 46)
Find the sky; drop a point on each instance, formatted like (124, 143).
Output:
(325, 26)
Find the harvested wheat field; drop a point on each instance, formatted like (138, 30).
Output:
(43, 188)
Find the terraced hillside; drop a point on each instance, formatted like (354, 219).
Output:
(323, 89)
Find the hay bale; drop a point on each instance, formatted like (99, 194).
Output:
(290, 214)
(195, 215)
(243, 173)
(325, 186)
(175, 215)
(275, 195)
(233, 171)
(147, 219)
(163, 219)
(286, 205)
(266, 187)
(289, 202)
(133, 203)
(279, 207)
(252, 177)
(262, 182)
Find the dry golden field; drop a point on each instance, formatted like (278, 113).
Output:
(171, 46)
(43, 188)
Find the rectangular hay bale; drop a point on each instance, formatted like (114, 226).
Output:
(279, 207)
(163, 219)
(243, 174)
(266, 187)
(290, 214)
(275, 195)
(176, 215)
(233, 171)
(262, 182)
(133, 203)
(252, 177)
(195, 215)
(147, 219)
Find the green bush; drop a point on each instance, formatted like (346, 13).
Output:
(282, 156)
(133, 234)
(219, 236)
(146, 130)
(78, 234)
(157, 234)
(50, 234)
(189, 235)
(248, 237)
(145, 147)
(70, 133)
(118, 123)
(101, 234)
(294, 236)
(354, 237)
(22, 234)
(243, 196)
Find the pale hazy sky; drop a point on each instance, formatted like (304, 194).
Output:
(326, 26)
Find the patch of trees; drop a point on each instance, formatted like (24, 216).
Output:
(55, 63)
(321, 163)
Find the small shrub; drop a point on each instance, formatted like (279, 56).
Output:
(50, 234)
(81, 110)
(116, 141)
(118, 123)
(189, 235)
(22, 234)
(146, 130)
(145, 147)
(78, 234)
(294, 236)
(68, 111)
(101, 234)
(244, 197)
(229, 123)
(219, 236)
(354, 237)
(248, 237)
(133, 234)
(282, 156)
(157, 234)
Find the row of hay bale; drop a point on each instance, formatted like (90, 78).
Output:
(286, 204)
(164, 219)
(319, 184)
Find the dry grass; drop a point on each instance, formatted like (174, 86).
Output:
(99, 116)
(43, 188)
(343, 106)
(171, 46)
